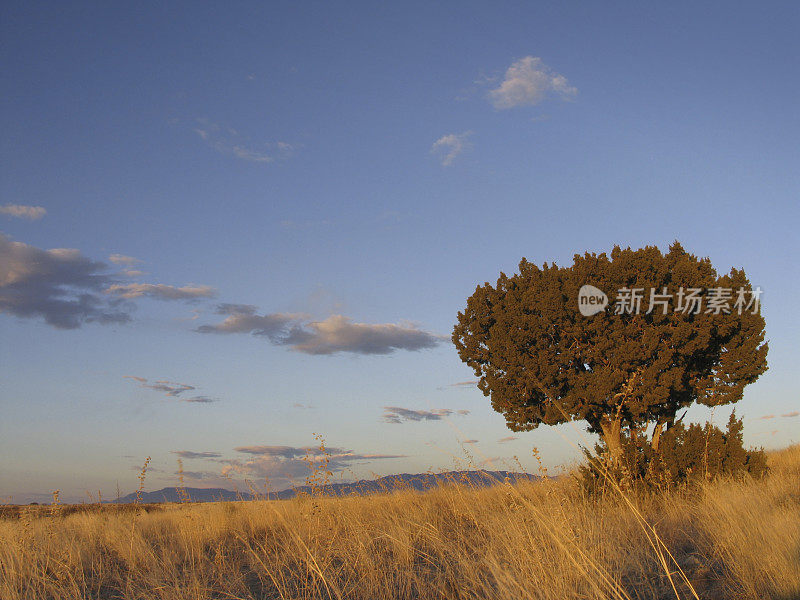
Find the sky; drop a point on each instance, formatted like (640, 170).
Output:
(238, 226)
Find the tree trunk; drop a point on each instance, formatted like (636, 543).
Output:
(664, 424)
(611, 436)
(657, 436)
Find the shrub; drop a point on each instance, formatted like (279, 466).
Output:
(686, 455)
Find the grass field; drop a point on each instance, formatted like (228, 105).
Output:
(730, 539)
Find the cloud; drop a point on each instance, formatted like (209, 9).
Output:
(121, 259)
(189, 454)
(510, 438)
(59, 285)
(470, 442)
(172, 389)
(22, 211)
(398, 414)
(765, 417)
(242, 318)
(133, 272)
(289, 463)
(335, 334)
(282, 451)
(794, 413)
(161, 291)
(339, 334)
(470, 383)
(229, 141)
(448, 147)
(199, 399)
(68, 289)
(528, 81)
(460, 384)
(198, 475)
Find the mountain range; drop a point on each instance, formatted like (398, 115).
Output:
(390, 483)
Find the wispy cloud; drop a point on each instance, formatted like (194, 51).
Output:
(448, 147)
(188, 454)
(509, 438)
(121, 259)
(470, 442)
(794, 413)
(229, 141)
(528, 81)
(287, 463)
(200, 399)
(398, 414)
(161, 291)
(199, 475)
(22, 211)
(335, 334)
(766, 417)
(173, 389)
(472, 383)
(60, 285)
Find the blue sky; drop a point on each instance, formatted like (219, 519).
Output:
(375, 161)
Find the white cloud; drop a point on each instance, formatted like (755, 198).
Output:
(335, 334)
(449, 146)
(161, 291)
(22, 211)
(229, 141)
(121, 259)
(510, 438)
(287, 463)
(338, 333)
(398, 414)
(59, 285)
(528, 81)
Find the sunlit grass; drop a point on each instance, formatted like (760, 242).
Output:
(731, 539)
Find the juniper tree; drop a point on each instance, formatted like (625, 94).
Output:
(542, 362)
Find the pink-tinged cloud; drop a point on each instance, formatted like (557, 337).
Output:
(23, 211)
(161, 291)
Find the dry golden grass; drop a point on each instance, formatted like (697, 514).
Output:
(732, 539)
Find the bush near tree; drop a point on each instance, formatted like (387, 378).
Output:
(687, 455)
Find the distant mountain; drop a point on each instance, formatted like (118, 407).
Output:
(171, 494)
(419, 482)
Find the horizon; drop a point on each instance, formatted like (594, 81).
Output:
(237, 230)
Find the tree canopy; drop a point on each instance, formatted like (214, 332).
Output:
(543, 362)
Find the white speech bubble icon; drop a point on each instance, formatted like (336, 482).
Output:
(591, 300)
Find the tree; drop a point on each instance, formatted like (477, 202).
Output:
(541, 361)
